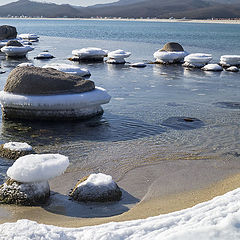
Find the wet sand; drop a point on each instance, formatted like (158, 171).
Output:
(147, 191)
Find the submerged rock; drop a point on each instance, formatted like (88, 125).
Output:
(27, 194)
(14, 150)
(96, 188)
(45, 81)
(7, 32)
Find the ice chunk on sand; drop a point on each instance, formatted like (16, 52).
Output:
(38, 167)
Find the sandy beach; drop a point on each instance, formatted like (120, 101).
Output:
(147, 191)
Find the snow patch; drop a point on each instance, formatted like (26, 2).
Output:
(16, 51)
(138, 64)
(17, 146)
(197, 60)
(169, 57)
(230, 60)
(25, 65)
(38, 167)
(44, 55)
(89, 52)
(118, 54)
(212, 67)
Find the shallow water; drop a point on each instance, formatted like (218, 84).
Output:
(144, 121)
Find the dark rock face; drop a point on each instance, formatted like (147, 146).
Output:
(14, 43)
(172, 47)
(7, 32)
(27, 194)
(45, 81)
(7, 153)
(90, 193)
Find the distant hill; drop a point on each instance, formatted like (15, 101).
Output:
(197, 9)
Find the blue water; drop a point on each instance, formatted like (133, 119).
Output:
(142, 123)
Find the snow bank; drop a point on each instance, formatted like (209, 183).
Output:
(212, 67)
(16, 51)
(67, 68)
(25, 65)
(169, 57)
(230, 60)
(89, 52)
(62, 101)
(212, 220)
(17, 146)
(197, 60)
(38, 167)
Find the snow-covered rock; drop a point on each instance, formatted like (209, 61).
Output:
(96, 188)
(67, 68)
(29, 36)
(197, 60)
(16, 51)
(212, 67)
(14, 150)
(14, 192)
(230, 60)
(44, 55)
(232, 69)
(138, 65)
(91, 54)
(38, 167)
(118, 56)
(26, 64)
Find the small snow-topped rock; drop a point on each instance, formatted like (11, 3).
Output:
(230, 60)
(212, 67)
(25, 65)
(232, 69)
(38, 167)
(119, 54)
(29, 36)
(44, 55)
(138, 65)
(67, 68)
(96, 188)
(16, 51)
(169, 57)
(17, 146)
(197, 60)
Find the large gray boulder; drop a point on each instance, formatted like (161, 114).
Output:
(172, 47)
(7, 32)
(45, 81)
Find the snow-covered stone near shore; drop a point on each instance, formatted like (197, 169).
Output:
(14, 150)
(138, 65)
(212, 67)
(197, 60)
(67, 68)
(217, 219)
(96, 188)
(230, 60)
(91, 54)
(29, 36)
(232, 69)
(38, 167)
(26, 64)
(118, 56)
(44, 55)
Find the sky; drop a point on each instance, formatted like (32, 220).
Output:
(72, 2)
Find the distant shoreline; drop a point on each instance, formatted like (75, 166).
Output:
(218, 21)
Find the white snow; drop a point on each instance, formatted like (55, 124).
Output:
(169, 57)
(67, 68)
(16, 51)
(26, 64)
(138, 64)
(232, 69)
(197, 59)
(99, 180)
(29, 36)
(97, 96)
(230, 60)
(118, 54)
(89, 52)
(17, 146)
(212, 67)
(38, 167)
(44, 55)
(216, 219)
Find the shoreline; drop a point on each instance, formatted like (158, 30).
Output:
(215, 21)
(150, 190)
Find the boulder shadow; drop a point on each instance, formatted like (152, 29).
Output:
(63, 205)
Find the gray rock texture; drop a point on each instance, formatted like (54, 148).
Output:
(7, 32)
(172, 47)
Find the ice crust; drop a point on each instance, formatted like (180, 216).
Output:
(198, 58)
(119, 54)
(90, 51)
(67, 68)
(212, 67)
(17, 146)
(138, 64)
(44, 55)
(169, 57)
(38, 167)
(230, 60)
(26, 64)
(13, 50)
(29, 36)
(216, 219)
(97, 96)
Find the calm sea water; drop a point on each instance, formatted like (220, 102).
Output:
(142, 123)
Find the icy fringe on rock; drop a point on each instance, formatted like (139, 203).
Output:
(28, 194)
(216, 219)
(13, 51)
(212, 67)
(118, 56)
(26, 64)
(44, 55)
(38, 167)
(138, 65)
(232, 69)
(17, 146)
(230, 60)
(169, 57)
(197, 60)
(96, 188)
(67, 68)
